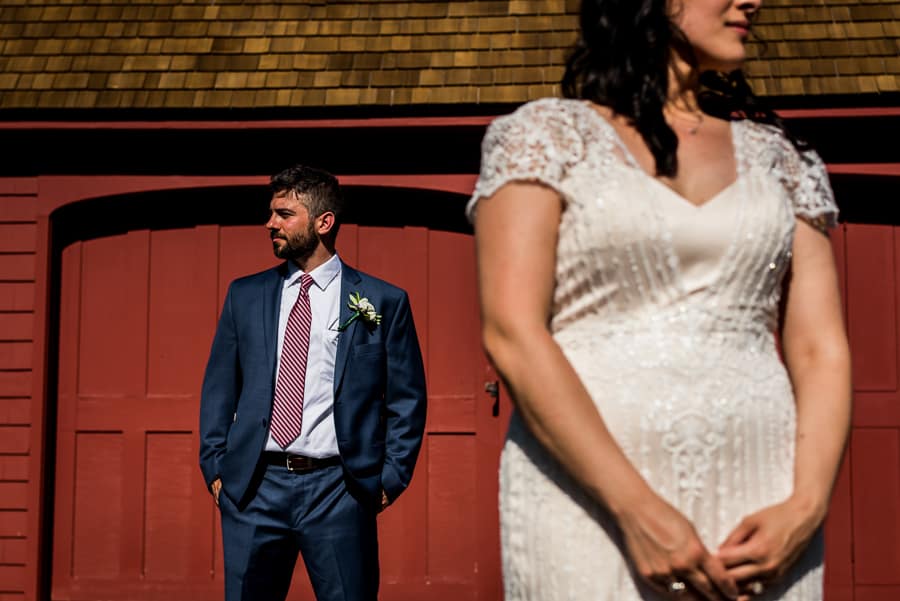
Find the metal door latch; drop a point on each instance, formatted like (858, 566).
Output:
(493, 389)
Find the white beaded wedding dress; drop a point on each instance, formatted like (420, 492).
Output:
(667, 312)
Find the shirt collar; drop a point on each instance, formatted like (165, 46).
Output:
(322, 275)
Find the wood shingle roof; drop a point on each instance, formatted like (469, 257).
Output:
(219, 54)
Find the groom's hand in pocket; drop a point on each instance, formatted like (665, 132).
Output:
(215, 488)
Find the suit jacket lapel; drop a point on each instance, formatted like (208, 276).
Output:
(349, 282)
(272, 289)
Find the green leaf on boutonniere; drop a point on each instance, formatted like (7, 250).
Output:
(362, 309)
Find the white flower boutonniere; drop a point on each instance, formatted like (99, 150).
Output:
(362, 309)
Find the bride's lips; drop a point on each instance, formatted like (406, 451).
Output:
(742, 27)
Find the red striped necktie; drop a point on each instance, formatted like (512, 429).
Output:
(287, 409)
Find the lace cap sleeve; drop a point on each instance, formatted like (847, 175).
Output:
(810, 190)
(535, 143)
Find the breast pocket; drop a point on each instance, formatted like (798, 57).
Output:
(329, 342)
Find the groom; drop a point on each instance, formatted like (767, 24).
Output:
(312, 409)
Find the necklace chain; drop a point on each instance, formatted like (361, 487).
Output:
(695, 118)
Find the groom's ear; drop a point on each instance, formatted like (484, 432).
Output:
(325, 223)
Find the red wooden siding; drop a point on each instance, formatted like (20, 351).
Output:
(873, 259)
(18, 234)
(129, 458)
(132, 518)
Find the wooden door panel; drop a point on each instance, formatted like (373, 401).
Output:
(97, 531)
(182, 300)
(452, 494)
(876, 497)
(138, 311)
(113, 322)
(839, 537)
(169, 508)
(872, 317)
(877, 593)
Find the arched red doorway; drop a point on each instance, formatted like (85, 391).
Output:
(138, 304)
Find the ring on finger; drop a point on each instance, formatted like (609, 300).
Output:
(677, 587)
(756, 587)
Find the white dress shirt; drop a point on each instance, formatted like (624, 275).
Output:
(317, 435)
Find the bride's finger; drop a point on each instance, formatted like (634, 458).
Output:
(747, 552)
(702, 586)
(740, 534)
(724, 582)
(747, 571)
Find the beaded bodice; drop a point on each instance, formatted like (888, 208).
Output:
(620, 259)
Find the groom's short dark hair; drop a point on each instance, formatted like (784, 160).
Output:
(317, 189)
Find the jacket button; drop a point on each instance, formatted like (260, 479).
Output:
(263, 422)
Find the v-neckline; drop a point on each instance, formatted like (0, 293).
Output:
(632, 163)
(682, 201)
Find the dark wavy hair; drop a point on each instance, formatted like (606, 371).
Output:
(317, 189)
(621, 60)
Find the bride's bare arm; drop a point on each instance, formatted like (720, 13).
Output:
(817, 356)
(516, 237)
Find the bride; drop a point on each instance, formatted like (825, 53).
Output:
(640, 250)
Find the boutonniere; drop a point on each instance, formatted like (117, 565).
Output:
(362, 309)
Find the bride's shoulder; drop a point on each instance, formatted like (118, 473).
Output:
(770, 142)
(552, 106)
(554, 115)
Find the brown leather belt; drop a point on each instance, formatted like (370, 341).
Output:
(299, 463)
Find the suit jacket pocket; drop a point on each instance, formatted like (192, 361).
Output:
(371, 349)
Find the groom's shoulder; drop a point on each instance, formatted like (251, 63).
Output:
(370, 282)
(255, 279)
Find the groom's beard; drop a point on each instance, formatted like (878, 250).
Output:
(299, 246)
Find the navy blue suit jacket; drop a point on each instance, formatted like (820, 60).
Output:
(379, 388)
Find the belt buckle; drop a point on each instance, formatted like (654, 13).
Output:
(287, 462)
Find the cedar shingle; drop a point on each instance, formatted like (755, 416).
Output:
(146, 63)
(109, 13)
(179, 98)
(65, 63)
(342, 96)
(74, 81)
(266, 98)
(480, 77)
(412, 26)
(281, 79)
(199, 80)
(191, 29)
(227, 44)
(172, 80)
(243, 98)
(220, 28)
(8, 81)
(306, 62)
(351, 79)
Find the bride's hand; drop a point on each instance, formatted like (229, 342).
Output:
(665, 549)
(765, 544)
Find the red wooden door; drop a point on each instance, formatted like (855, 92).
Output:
(132, 517)
(863, 536)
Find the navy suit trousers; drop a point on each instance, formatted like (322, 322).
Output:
(309, 513)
